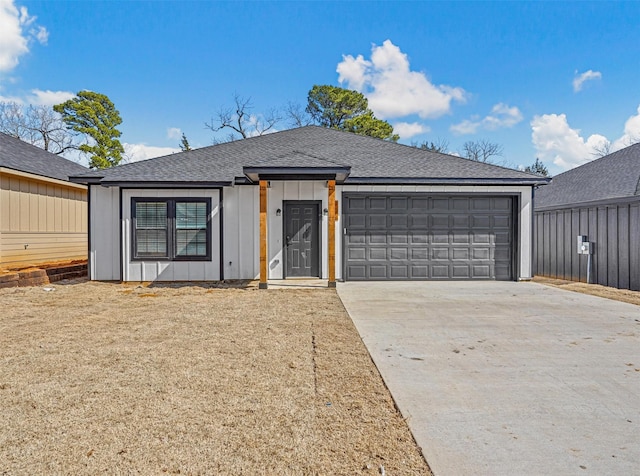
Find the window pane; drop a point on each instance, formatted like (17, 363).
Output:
(191, 242)
(191, 215)
(191, 229)
(151, 229)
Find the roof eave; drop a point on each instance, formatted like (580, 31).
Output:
(256, 173)
(445, 181)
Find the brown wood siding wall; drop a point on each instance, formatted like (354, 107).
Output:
(41, 221)
(614, 230)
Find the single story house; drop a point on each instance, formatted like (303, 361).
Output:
(309, 202)
(600, 201)
(43, 216)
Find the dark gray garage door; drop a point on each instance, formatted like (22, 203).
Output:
(427, 237)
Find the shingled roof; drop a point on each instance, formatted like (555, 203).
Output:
(613, 176)
(18, 155)
(310, 146)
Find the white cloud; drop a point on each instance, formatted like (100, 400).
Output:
(579, 80)
(556, 141)
(406, 130)
(631, 133)
(393, 90)
(38, 97)
(138, 152)
(17, 30)
(502, 115)
(174, 133)
(48, 97)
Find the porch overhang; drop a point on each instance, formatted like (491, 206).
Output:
(255, 174)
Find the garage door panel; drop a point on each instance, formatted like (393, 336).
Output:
(428, 237)
(376, 222)
(480, 238)
(480, 221)
(481, 271)
(377, 271)
(377, 254)
(398, 204)
(377, 203)
(419, 272)
(419, 254)
(480, 253)
(440, 254)
(399, 221)
(418, 220)
(501, 221)
(461, 271)
(419, 238)
(399, 271)
(440, 238)
(461, 254)
(439, 271)
(356, 221)
(460, 222)
(502, 203)
(396, 254)
(502, 238)
(460, 238)
(440, 221)
(356, 254)
(396, 238)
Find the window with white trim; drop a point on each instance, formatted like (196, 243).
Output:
(176, 229)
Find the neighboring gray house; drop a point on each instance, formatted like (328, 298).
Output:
(599, 200)
(309, 202)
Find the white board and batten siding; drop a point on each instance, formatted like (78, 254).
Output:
(241, 228)
(104, 252)
(158, 270)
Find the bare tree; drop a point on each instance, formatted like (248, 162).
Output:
(241, 121)
(38, 125)
(298, 115)
(602, 149)
(481, 150)
(439, 145)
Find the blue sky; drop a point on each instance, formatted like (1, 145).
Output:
(551, 80)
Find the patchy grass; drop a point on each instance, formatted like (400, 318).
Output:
(624, 295)
(98, 377)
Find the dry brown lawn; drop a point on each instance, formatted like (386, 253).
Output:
(109, 378)
(624, 295)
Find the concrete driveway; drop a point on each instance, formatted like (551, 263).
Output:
(505, 378)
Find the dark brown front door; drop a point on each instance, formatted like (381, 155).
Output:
(302, 239)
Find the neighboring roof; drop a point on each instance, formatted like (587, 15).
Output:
(311, 146)
(613, 176)
(18, 155)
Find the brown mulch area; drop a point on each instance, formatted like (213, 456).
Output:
(624, 295)
(102, 377)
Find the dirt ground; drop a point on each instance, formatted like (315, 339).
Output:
(624, 295)
(110, 378)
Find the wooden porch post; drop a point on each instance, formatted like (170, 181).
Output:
(331, 185)
(263, 235)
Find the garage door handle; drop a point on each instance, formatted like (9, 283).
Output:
(344, 231)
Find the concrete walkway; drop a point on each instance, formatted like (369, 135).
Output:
(505, 378)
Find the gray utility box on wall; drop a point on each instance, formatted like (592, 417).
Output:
(584, 246)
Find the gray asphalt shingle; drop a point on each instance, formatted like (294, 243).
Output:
(311, 146)
(616, 175)
(18, 155)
